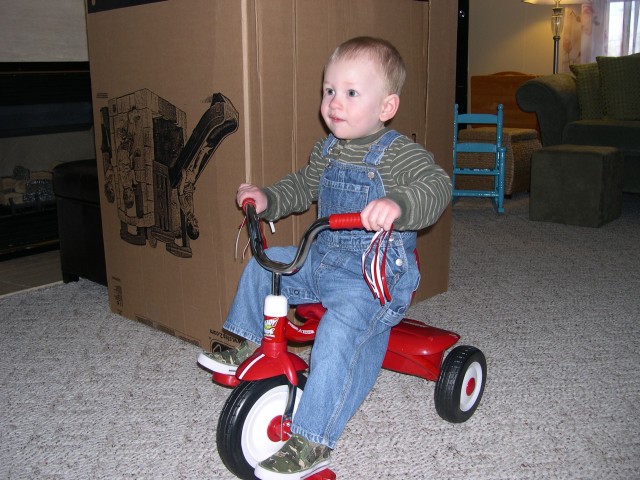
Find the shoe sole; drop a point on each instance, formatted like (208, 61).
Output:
(213, 365)
(264, 474)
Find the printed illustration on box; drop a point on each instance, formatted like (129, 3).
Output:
(150, 171)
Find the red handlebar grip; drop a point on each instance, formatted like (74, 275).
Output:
(344, 221)
(248, 201)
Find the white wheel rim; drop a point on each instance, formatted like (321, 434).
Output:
(256, 445)
(471, 386)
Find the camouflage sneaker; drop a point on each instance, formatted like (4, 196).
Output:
(296, 459)
(227, 361)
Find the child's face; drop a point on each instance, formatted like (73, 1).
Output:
(355, 98)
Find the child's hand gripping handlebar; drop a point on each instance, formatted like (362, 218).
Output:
(340, 221)
(344, 221)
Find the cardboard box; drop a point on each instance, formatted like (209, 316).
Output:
(193, 97)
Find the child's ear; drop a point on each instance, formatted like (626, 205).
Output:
(390, 107)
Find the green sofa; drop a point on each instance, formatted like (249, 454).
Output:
(598, 105)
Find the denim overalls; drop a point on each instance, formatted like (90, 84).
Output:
(352, 337)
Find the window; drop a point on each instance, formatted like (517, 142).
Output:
(610, 28)
(622, 28)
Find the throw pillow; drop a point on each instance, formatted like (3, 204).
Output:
(588, 89)
(620, 85)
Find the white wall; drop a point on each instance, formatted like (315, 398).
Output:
(508, 35)
(504, 35)
(43, 31)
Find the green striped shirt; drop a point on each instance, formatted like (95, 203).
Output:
(410, 176)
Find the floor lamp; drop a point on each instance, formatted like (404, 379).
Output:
(557, 22)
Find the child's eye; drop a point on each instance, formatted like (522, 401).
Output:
(329, 91)
(352, 93)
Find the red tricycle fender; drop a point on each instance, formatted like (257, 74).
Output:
(263, 365)
(416, 348)
(413, 337)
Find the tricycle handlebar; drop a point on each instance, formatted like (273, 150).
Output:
(340, 221)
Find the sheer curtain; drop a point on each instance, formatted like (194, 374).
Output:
(609, 28)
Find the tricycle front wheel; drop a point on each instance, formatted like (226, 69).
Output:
(245, 429)
(460, 385)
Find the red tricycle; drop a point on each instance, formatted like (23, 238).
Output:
(256, 418)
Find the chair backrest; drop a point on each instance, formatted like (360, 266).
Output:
(489, 119)
(474, 145)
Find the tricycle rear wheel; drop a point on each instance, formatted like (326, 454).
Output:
(460, 385)
(242, 436)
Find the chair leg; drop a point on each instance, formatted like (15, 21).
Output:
(500, 183)
(499, 199)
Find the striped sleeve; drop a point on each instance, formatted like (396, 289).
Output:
(415, 182)
(296, 191)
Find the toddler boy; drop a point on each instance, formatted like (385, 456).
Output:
(362, 166)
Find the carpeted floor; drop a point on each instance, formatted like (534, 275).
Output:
(88, 394)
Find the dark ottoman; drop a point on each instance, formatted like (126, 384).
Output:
(75, 185)
(576, 185)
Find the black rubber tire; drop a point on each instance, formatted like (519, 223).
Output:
(452, 404)
(248, 402)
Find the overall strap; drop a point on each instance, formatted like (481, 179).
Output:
(329, 142)
(376, 150)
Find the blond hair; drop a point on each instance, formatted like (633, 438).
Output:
(381, 52)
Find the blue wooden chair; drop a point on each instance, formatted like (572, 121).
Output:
(496, 170)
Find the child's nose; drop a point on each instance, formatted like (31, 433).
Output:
(335, 102)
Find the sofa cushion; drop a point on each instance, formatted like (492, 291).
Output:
(588, 88)
(624, 135)
(620, 86)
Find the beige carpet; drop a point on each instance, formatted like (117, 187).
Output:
(88, 394)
